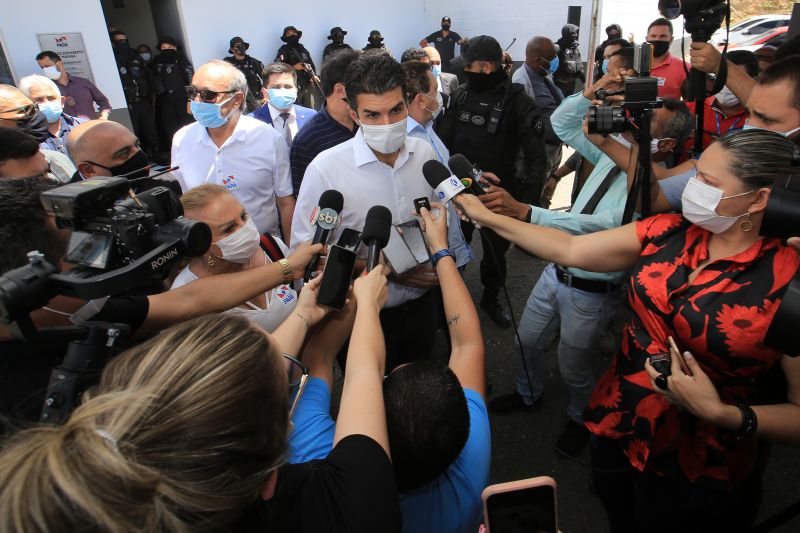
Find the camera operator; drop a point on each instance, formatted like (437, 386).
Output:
(679, 448)
(26, 365)
(581, 302)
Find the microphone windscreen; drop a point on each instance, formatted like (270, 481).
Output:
(460, 166)
(435, 172)
(377, 225)
(331, 199)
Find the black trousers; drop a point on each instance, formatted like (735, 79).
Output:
(646, 502)
(144, 126)
(171, 115)
(493, 263)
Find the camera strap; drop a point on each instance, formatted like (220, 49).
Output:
(601, 191)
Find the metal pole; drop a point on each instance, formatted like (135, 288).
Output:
(596, 7)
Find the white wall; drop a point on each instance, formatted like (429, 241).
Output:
(21, 21)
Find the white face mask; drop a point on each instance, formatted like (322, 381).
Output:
(624, 142)
(789, 133)
(700, 201)
(239, 246)
(726, 98)
(438, 110)
(51, 72)
(385, 138)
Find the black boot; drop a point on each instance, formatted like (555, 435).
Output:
(495, 311)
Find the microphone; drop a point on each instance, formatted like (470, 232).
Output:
(326, 217)
(469, 174)
(376, 233)
(444, 184)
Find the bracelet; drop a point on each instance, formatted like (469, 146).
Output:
(441, 253)
(529, 215)
(286, 270)
(301, 317)
(749, 422)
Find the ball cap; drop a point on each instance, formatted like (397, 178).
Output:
(446, 19)
(483, 48)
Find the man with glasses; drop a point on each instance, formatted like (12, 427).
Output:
(241, 153)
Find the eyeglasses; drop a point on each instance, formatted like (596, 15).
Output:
(206, 95)
(298, 376)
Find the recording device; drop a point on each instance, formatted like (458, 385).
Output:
(469, 174)
(116, 245)
(336, 277)
(419, 203)
(525, 505)
(349, 239)
(325, 217)
(375, 235)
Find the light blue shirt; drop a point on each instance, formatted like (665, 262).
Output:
(567, 121)
(455, 237)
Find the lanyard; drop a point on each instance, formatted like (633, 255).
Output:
(736, 125)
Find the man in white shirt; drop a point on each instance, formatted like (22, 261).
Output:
(281, 111)
(379, 166)
(241, 153)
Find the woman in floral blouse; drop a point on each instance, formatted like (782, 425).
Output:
(682, 452)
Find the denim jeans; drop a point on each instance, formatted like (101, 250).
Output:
(581, 316)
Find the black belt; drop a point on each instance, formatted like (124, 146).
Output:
(588, 285)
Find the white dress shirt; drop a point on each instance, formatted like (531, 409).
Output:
(353, 169)
(277, 120)
(253, 164)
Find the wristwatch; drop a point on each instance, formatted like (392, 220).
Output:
(286, 270)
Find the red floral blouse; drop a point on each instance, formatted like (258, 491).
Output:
(721, 317)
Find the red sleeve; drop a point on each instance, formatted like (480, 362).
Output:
(650, 228)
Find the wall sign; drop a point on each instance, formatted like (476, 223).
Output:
(70, 47)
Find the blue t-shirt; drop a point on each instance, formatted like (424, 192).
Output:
(449, 504)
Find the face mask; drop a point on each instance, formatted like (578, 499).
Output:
(292, 39)
(375, 42)
(282, 98)
(122, 47)
(446, 27)
(51, 109)
(51, 72)
(604, 67)
(660, 48)
(785, 134)
(169, 53)
(239, 246)
(385, 138)
(481, 81)
(436, 111)
(552, 65)
(145, 56)
(624, 142)
(210, 115)
(700, 201)
(726, 98)
(35, 126)
(135, 167)
(437, 70)
(612, 36)
(338, 39)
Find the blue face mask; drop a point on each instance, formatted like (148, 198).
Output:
(553, 65)
(210, 115)
(282, 98)
(604, 67)
(437, 70)
(784, 133)
(51, 109)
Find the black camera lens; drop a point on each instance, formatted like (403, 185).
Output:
(607, 119)
(782, 215)
(670, 9)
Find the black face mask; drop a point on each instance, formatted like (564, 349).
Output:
(169, 53)
(446, 27)
(133, 168)
(35, 126)
(292, 39)
(338, 39)
(375, 42)
(612, 36)
(122, 47)
(483, 82)
(660, 48)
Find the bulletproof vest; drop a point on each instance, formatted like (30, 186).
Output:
(133, 74)
(168, 74)
(483, 129)
(250, 69)
(292, 56)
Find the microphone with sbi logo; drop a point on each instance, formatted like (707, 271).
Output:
(326, 218)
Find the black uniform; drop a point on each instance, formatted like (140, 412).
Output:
(253, 71)
(489, 127)
(137, 84)
(333, 47)
(570, 63)
(292, 54)
(172, 72)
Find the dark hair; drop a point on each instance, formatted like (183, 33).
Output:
(661, 22)
(622, 43)
(680, 126)
(47, 54)
(746, 59)
(279, 68)
(24, 226)
(758, 157)
(373, 74)
(626, 57)
(413, 54)
(16, 144)
(427, 419)
(334, 68)
(417, 81)
(787, 69)
(788, 48)
(117, 32)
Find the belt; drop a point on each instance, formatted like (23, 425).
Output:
(588, 285)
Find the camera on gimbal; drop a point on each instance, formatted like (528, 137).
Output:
(115, 245)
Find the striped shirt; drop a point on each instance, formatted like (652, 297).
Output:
(318, 134)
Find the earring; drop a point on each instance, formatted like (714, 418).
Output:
(746, 224)
(211, 261)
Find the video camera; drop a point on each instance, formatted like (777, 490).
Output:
(115, 244)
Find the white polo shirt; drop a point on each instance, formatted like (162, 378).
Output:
(353, 169)
(253, 164)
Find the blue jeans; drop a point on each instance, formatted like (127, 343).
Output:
(581, 316)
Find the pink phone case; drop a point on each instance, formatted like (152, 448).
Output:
(513, 486)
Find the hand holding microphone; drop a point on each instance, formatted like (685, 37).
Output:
(326, 218)
(375, 235)
(447, 187)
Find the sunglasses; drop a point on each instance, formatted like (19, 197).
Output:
(298, 376)
(206, 95)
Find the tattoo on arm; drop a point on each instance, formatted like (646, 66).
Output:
(453, 320)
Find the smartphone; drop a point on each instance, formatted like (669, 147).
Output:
(415, 239)
(336, 277)
(419, 203)
(527, 505)
(677, 353)
(349, 239)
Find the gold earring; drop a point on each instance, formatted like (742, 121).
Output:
(211, 261)
(746, 224)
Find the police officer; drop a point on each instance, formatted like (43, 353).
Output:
(570, 64)
(252, 68)
(488, 120)
(337, 42)
(137, 85)
(295, 54)
(375, 42)
(172, 72)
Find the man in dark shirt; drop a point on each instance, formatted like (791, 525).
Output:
(337, 42)
(570, 67)
(445, 42)
(81, 94)
(172, 72)
(295, 54)
(252, 68)
(332, 125)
